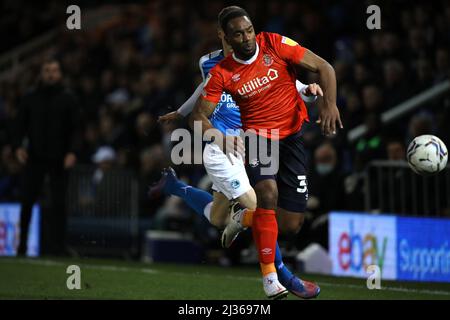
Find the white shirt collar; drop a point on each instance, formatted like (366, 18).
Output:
(249, 61)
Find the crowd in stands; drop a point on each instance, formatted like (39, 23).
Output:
(143, 63)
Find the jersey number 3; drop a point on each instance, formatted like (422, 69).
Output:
(303, 187)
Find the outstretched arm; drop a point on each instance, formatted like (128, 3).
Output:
(189, 105)
(329, 116)
(185, 109)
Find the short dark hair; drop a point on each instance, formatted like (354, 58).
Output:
(229, 13)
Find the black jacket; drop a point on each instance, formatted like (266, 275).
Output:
(49, 118)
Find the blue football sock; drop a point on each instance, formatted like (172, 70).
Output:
(196, 198)
(284, 275)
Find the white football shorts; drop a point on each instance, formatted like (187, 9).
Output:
(227, 177)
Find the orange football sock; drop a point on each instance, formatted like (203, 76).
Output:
(247, 218)
(265, 232)
(267, 268)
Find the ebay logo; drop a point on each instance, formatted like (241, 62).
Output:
(356, 251)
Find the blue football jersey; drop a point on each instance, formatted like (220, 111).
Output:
(226, 116)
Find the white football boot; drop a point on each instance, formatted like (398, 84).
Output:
(273, 288)
(234, 226)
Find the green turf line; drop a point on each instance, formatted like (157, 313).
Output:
(106, 279)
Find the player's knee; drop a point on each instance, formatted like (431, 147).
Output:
(267, 195)
(248, 200)
(291, 226)
(249, 204)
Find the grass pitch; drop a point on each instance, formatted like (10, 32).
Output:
(109, 279)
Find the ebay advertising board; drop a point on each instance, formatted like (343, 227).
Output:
(10, 230)
(357, 241)
(404, 248)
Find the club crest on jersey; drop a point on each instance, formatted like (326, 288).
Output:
(236, 77)
(267, 60)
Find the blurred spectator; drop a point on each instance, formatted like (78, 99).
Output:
(104, 158)
(48, 118)
(420, 124)
(418, 42)
(425, 74)
(391, 45)
(371, 145)
(396, 88)
(395, 150)
(395, 181)
(361, 51)
(442, 61)
(324, 176)
(146, 133)
(112, 132)
(90, 98)
(353, 114)
(361, 75)
(90, 142)
(372, 99)
(103, 196)
(152, 161)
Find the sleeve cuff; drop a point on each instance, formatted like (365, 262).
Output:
(308, 99)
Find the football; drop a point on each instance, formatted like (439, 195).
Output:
(427, 155)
